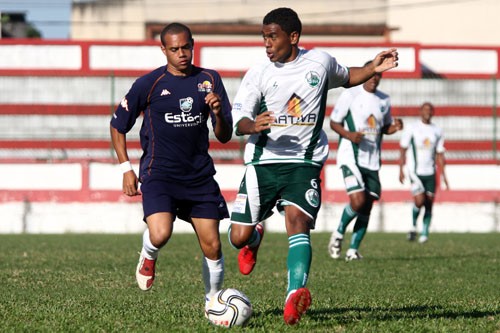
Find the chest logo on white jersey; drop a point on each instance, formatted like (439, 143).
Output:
(294, 114)
(313, 79)
(186, 104)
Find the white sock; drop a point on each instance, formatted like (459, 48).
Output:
(213, 276)
(337, 234)
(149, 251)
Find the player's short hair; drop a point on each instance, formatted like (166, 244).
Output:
(286, 18)
(173, 29)
(429, 104)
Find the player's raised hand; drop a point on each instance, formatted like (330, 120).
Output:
(386, 60)
(213, 101)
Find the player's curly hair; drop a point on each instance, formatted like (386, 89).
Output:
(286, 18)
(175, 28)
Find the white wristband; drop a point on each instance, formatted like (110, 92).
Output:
(126, 166)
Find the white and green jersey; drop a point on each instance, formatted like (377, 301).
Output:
(365, 112)
(422, 142)
(296, 92)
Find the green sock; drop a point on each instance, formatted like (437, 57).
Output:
(299, 261)
(415, 213)
(252, 242)
(347, 216)
(359, 231)
(427, 223)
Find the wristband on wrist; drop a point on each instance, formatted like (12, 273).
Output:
(126, 166)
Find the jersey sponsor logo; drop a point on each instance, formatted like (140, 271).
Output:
(293, 106)
(427, 143)
(185, 118)
(165, 92)
(240, 203)
(205, 86)
(124, 103)
(294, 114)
(237, 106)
(312, 197)
(313, 79)
(371, 121)
(351, 182)
(186, 104)
(371, 131)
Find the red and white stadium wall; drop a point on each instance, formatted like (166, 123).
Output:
(85, 197)
(75, 58)
(87, 181)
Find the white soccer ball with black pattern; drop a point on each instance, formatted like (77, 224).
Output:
(229, 307)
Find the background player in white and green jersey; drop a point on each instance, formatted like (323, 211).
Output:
(422, 145)
(362, 115)
(281, 106)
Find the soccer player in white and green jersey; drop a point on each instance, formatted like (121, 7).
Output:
(281, 106)
(362, 115)
(422, 145)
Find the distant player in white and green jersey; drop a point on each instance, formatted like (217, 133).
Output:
(361, 116)
(422, 145)
(281, 105)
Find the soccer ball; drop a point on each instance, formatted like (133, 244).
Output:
(229, 307)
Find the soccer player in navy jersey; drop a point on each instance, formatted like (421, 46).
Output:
(176, 172)
(281, 105)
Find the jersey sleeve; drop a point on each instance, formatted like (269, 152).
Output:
(341, 107)
(131, 106)
(247, 100)
(404, 142)
(338, 75)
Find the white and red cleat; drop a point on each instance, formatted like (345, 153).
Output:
(145, 273)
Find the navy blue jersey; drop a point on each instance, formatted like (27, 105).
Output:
(174, 133)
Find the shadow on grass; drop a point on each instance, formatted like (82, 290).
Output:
(345, 315)
(348, 315)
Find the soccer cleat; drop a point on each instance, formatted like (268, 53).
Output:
(296, 305)
(411, 236)
(248, 255)
(423, 239)
(353, 254)
(145, 273)
(334, 247)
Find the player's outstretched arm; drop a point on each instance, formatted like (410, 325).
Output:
(382, 62)
(385, 60)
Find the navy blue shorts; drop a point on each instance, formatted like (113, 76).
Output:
(201, 201)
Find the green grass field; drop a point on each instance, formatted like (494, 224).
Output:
(69, 283)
